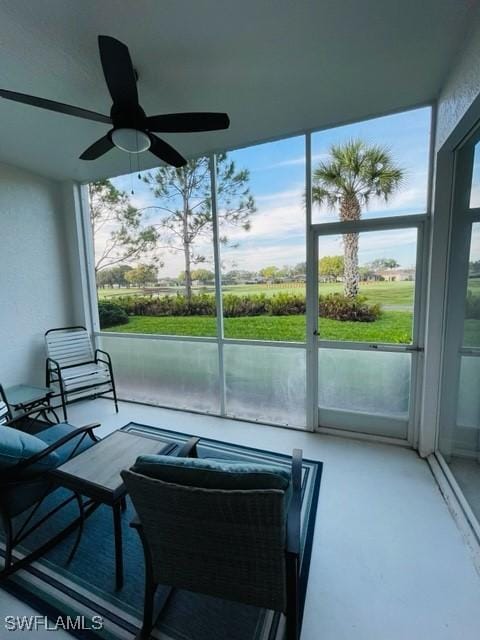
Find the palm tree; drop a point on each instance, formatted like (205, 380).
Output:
(354, 173)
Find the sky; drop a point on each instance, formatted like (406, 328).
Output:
(277, 183)
(475, 192)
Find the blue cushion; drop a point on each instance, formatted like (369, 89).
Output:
(55, 432)
(210, 473)
(16, 446)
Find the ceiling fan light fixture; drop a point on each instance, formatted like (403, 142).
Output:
(131, 140)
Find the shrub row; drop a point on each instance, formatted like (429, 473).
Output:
(334, 306)
(338, 307)
(111, 314)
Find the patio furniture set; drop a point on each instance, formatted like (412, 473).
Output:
(249, 555)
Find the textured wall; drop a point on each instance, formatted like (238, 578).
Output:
(34, 272)
(461, 88)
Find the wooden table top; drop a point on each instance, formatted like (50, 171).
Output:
(95, 473)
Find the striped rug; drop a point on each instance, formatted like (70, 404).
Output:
(85, 587)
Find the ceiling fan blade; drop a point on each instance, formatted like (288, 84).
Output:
(195, 121)
(51, 105)
(165, 152)
(97, 149)
(118, 71)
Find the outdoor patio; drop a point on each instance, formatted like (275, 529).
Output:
(240, 339)
(385, 541)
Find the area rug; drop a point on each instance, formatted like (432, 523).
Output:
(85, 586)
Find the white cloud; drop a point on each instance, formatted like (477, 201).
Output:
(294, 195)
(254, 258)
(292, 162)
(475, 196)
(277, 234)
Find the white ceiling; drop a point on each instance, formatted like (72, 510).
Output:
(276, 66)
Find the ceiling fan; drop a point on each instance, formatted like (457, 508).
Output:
(132, 130)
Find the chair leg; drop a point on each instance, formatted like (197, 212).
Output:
(64, 400)
(114, 393)
(150, 589)
(293, 599)
(81, 509)
(147, 624)
(7, 523)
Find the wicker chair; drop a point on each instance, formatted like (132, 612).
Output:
(240, 545)
(5, 414)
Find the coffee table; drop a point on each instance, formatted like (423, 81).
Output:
(95, 474)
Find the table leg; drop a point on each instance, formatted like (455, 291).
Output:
(117, 528)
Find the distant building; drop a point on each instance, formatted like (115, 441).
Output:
(399, 274)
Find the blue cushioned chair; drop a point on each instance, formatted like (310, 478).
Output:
(25, 461)
(219, 527)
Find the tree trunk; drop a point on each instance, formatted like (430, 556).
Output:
(188, 271)
(186, 250)
(350, 273)
(350, 210)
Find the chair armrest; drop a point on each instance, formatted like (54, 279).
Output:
(135, 523)
(24, 464)
(56, 365)
(294, 510)
(189, 449)
(104, 353)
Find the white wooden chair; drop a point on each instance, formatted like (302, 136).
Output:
(5, 415)
(75, 371)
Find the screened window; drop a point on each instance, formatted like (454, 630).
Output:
(263, 255)
(153, 240)
(372, 169)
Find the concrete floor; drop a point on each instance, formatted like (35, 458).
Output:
(388, 561)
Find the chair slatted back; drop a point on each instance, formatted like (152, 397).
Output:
(4, 412)
(69, 346)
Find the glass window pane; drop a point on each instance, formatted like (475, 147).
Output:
(153, 242)
(475, 189)
(471, 336)
(372, 169)
(367, 286)
(263, 256)
(460, 442)
(171, 373)
(468, 411)
(364, 391)
(266, 383)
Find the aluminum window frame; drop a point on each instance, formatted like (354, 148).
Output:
(416, 347)
(310, 345)
(462, 220)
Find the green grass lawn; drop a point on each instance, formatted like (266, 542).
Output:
(106, 294)
(392, 294)
(393, 326)
(395, 298)
(471, 337)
